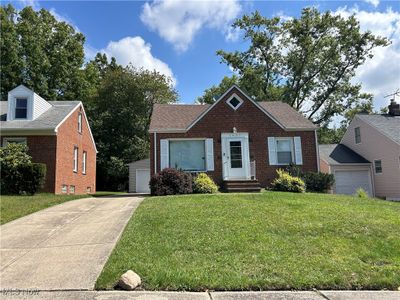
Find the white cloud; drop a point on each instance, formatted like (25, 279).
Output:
(63, 18)
(381, 74)
(35, 5)
(135, 51)
(178, 21)
(375, 3)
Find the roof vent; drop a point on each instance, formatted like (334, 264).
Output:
(394, 108)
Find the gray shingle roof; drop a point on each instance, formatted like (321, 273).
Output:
(48, 120)
(387, 124)
(181, 116)
(335, 154)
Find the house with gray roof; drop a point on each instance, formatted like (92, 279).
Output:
(237, 141)
(57, 134)
(369, 152)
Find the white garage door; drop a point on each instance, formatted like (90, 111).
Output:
(142, 181)
(347, 182)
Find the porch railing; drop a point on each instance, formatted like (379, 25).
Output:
(253, 170)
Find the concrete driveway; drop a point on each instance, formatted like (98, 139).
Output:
(64, 246)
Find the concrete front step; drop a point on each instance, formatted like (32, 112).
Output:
(242, 186)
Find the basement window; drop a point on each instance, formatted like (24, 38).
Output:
(64, 189)
(72, 189)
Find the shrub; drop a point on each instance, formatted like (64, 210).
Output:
(318, 181)
(34, 177)
(361, 193)
(171, 182)
(203, 184)
(287, 183)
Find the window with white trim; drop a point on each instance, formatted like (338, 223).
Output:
(64, 189)
(75, 159)
(21, 108)
(84, 157)
(234, 102)
(357, 135)
(378, 166)
(187, 155)
(14, 140)
(284, 151)
(80, 122)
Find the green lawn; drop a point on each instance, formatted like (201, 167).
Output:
(14, 207)
(262, 241)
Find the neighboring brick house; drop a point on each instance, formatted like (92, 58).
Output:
(237, 141)
(57, 134)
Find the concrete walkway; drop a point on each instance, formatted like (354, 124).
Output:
(62, 247)
(278, 295)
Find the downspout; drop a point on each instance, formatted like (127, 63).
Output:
(317, 149)
(155, 152)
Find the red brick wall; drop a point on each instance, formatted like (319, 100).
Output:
(324, 166)
(248, 118)
(68, 137)
(43, 150)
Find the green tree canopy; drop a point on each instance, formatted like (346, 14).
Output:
(40, 52)
(307, 62)
(120, 119)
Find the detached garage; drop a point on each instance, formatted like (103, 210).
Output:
(351, 170)
(139, 176)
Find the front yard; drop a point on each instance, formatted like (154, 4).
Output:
(262, 241)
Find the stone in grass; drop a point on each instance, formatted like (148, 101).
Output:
(129, 281)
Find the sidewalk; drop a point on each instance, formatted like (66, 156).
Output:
(148, 295)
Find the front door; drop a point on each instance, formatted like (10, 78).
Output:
(235, 156)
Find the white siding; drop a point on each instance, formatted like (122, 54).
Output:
(375, 145)
(36, 105)
(140, 164)
(39, 106)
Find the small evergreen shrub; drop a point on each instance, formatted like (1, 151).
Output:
(171, 182)
(287, 183)
(361, 193)
(203, 184)
(318, 181)
(18, 174)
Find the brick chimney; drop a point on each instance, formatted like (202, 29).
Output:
(394, 108)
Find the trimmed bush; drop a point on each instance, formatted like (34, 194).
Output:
(287, 183)
(18, 174)
(203, 184)
(171, 182)
(361, 193)
(318, 181)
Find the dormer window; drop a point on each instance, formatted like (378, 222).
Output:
(234, 102)
(80, 122)
(21, 108)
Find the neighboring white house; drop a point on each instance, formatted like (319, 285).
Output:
(139, 176)
(377, 138)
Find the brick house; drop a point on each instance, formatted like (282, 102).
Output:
(57, 134)
(239, 142)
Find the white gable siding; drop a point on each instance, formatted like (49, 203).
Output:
(36, 105)
(39, 106)
(375, 145)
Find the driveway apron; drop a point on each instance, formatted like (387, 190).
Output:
(63, 247)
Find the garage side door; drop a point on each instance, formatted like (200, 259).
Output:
(347, 182)
(142, 181)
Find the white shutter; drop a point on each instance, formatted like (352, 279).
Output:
(272, 151)
(164, 154)
(210, 154)
(297, 150)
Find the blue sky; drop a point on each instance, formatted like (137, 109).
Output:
(180, 38)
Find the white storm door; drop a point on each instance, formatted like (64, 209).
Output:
(235, 154)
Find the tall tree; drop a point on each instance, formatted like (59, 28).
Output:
(211, 94)
(41, 53)
(306, 62)
(120, 118)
